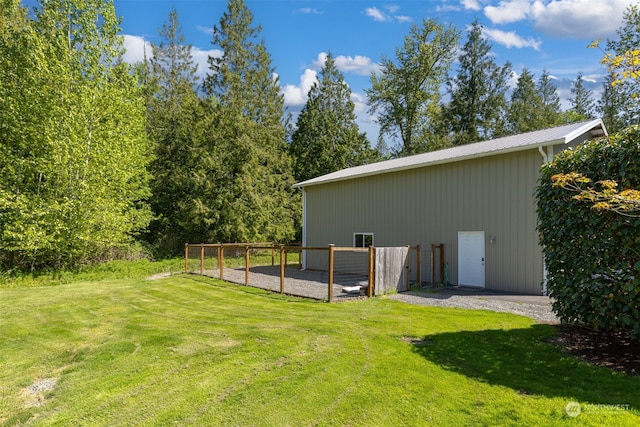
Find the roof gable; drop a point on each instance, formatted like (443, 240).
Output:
(541, 138)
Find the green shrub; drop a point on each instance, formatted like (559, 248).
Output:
(593, 256)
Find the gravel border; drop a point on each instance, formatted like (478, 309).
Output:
(540, 310)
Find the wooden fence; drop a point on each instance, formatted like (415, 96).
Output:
(279, 256)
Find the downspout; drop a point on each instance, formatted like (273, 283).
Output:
(304, 228)
(546, 157)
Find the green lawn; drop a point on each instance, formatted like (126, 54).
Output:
(189, 350)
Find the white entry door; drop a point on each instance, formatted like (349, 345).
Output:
(471, 258)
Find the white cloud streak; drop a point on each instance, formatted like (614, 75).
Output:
(309, 11)
(359, 65)
(510, 39)
(471, 5)
(376, 14)
(380, 16)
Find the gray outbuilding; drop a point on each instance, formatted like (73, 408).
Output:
(476, 199)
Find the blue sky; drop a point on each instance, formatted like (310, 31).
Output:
(536, 34)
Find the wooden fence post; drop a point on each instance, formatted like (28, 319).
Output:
(282, 269)
(201, 259)
(408, 284)
(186, 257)
(331, 257)
(371, 271)
(433, 264)
(246, 266)
(221, 262)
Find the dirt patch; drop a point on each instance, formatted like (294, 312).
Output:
(159, 276)
(35, 394)
(610, 350)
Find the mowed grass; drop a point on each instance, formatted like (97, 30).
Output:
(189, 350)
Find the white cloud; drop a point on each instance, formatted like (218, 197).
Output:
(206, 30)
(135, 49)
(297, 95)
(447, 8)
(376, 14)
(359, 65)
(309, 11)
(578, 18)
(510, 39)
(508, 11)
(380, 16)
(560, 18)
(471, 4)
(392, 8)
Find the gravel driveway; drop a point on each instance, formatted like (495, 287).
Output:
(536, 307)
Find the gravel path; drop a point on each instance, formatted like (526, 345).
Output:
(302, 283)
(536, 307)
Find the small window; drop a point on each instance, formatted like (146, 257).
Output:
(362, 240)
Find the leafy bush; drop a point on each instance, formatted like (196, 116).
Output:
(593, 256)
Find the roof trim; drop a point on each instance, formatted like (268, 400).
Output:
(526, 141)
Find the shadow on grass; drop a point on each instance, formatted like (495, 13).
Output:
(521, 360)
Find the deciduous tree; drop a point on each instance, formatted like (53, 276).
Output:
(406, 94)
(75, 154)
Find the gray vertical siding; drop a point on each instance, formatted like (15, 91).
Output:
(494, 194)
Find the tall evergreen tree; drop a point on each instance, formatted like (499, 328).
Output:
(611, 106)
(254, 200)
(406, 95)
(550, 101)
(478, 92)
(174, 123)
(75, 174)
(327, 137)
(582, 103)
(524, 113)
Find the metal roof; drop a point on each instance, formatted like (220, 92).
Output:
(524, 141)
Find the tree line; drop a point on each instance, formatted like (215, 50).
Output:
(100, 159)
